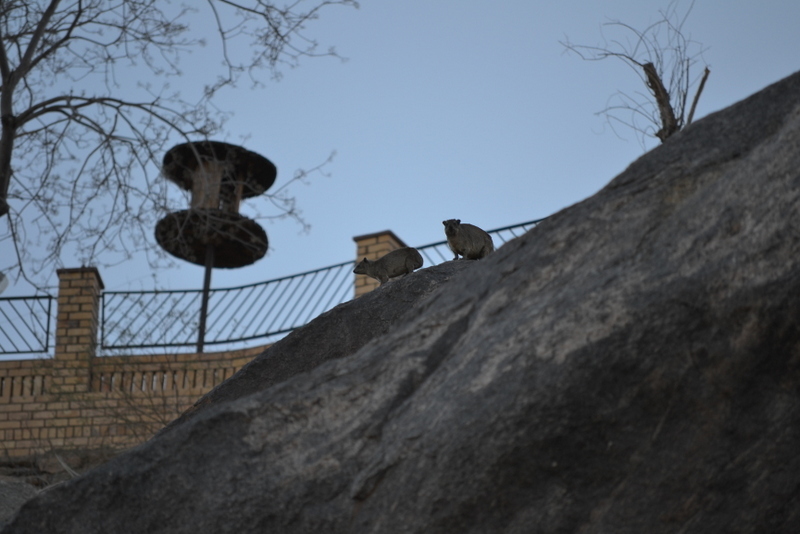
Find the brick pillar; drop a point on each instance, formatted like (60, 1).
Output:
(76, 328)
(372, 247)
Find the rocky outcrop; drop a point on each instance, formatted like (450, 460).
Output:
(630, 365)
(13, 494)
(334, 334)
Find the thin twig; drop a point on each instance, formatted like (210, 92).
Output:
(68, 469)
(697, 95)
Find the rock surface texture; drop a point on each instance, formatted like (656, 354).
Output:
(630, 365)
(13, 494)
(334, 334)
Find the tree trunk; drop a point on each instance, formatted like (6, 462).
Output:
(6, 148)
(669, 125)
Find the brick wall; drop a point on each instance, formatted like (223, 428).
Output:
(124, 402)
(77, 402)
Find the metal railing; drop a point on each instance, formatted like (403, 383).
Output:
(266, 310)
(142, 320)
(439, 252)
(25, 324)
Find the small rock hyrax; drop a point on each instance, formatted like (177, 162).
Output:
(467, 240)
(395, 263)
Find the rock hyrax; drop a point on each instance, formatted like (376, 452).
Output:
(395, 263)
(467, 240)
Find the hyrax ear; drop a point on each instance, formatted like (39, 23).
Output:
(458, 221)
(444, 223)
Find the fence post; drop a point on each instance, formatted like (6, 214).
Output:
(372, 247)
(76, 328)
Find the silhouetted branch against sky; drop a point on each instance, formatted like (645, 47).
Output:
(663, 57)
(92, 96)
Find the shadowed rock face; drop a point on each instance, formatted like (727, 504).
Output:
(630, 365)
(334, 334)
(13, 494)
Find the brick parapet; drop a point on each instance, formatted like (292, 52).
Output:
(127, 400)
(77, 401)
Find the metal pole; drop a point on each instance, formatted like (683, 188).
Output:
(201, 335)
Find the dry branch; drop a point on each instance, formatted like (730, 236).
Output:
(697, 95)
(669, 125)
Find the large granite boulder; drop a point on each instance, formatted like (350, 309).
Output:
(334, 334)
(630, 365)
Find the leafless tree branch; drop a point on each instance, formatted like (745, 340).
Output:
(663, 57)
(80, 151)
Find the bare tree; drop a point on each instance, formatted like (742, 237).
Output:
(664, 58)
(80, 149)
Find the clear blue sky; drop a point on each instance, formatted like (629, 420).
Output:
(465, 109)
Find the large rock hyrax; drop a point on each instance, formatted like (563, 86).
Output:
(395, 263)
(467, 240)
